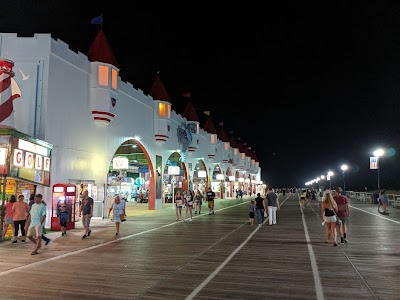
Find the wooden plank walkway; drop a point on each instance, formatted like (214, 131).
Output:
(213, 257)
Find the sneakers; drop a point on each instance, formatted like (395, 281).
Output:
(90, 231)
(23, 241)
(84, 236)
(335, 245)
(190, 220)
(346, 241)
(62, 234)
(195, 212)
(47, 242)
(213, 212)
(116, 233)
(14, 242)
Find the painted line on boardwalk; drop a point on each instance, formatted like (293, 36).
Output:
(38, 263)
(375, 214)
(225, 262)
(313, 260)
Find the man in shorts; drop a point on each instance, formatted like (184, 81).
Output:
(343, 213)
(36, 218)
(86, 213)
(210, 200)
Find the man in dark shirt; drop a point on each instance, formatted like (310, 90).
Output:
(343, 213)
(210, 200)
(260, 208)
(273, 205)
(87, 213)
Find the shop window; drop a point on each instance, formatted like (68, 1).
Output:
(226, 146)
(114, 79)
(169, 111)
(243, 156)
(235, 151)
(103, 75)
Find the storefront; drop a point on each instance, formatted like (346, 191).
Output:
(24, 164)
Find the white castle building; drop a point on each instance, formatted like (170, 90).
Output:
(75, 125)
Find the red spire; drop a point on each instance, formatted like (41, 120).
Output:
(190, 113)
(158, 91)
(101, 51)
(209, 126)
(233, 142)
(223, 136)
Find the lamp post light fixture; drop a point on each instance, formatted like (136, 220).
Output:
(378, 153)
(328, 177)
(344, 168)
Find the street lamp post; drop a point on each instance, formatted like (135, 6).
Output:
(328, 177)
(344, 168)
(378, 153)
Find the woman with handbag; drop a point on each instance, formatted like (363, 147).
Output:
(328, 210)
(118, 213)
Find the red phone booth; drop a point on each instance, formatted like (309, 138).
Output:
(63, 194)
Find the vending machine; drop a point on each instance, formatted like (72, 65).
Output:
(63, 194)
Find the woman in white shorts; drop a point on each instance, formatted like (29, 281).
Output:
(328, 210)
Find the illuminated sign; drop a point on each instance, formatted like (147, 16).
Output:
(70, 189)
(220, 176)
(3, 155)
(174, 170)
(31, 147)
(121, 162)
(58, 189)
(30, 160)
(201, 174)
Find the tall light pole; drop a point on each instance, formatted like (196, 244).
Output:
(344, 168)
(378, 153)
(328, 177)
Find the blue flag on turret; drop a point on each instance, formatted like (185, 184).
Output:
(97, 20)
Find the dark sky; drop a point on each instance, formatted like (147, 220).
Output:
(308, 87)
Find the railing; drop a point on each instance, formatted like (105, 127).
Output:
(394, 200)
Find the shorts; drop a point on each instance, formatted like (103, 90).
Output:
(343, 219)
(8, 220)
(63, 223)
(330, 219)
(251, 215)
(36, 231)
(190, 204)
(86, 220)
(211, 204)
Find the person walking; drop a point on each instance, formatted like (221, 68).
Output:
(198, 198)
(252, 209)
(36, 219)
(179, 203)
(328, 210)
(189, 204)
(343, 213)
(87, 213)
(272, 205)
(63, 216)
(118, 209)
(20, 210)
(8, 217)
(210, 199)
(384, 200)
(260, 209)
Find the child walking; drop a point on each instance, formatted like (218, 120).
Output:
(63, 215)
(252, 209)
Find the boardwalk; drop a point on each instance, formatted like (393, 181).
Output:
(213, 257)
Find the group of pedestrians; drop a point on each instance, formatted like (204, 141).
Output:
(260, 206)
(335, 211)
(192, 199)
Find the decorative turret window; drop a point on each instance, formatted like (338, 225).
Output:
(213, 139)
(103, 75)
(164, 110)
(226, 146)
(114, 75)
(243, 155)
(235, 151)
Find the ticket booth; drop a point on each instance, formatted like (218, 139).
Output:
(63, 194)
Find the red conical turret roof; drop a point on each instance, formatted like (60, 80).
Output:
(101, 51)
(209, 126)
(158, 91)
(233, 143)
(223, 136)
(190, 113)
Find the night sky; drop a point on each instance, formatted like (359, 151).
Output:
(307, 87)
